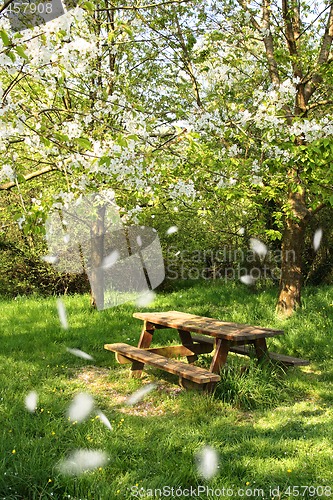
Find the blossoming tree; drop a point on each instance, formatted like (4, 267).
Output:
(227, 100)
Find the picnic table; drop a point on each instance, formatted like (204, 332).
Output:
(198, 335)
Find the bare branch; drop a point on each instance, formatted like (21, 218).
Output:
(327, 102)
(148, 6)
(5, 5)
(32, 175)
(323, 57)
(188, 64)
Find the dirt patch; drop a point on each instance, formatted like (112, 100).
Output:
(97, 381)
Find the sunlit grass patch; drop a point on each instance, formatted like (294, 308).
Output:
(262, 422)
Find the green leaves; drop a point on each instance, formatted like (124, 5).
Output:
(20, 51)
(5, 38)
(88, 6)
(83, 142)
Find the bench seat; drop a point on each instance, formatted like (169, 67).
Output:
(244, 350)
(187, 371)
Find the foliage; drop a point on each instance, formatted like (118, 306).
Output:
(222, 106)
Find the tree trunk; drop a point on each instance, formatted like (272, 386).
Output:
(97, 254)
(292, 255)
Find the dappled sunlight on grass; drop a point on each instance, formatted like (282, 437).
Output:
(270, 427)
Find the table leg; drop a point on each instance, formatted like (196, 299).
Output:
(144, 342)
(261, 349)
(220, 356)
(187, 341)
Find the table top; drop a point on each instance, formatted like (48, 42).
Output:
(207, 326)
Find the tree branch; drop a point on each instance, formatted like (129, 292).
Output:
(188, 64)
(32, 175)
(148, 6)
(327, 102)
(267, 37)
(291, 18)
(323, 57)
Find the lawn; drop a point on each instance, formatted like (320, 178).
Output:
(273, 430)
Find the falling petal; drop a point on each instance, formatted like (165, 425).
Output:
(139, 241)
(104, 420)
(247, 279)
(79, 353)
(241, 230)
(172, 230)
(258, 247)
(110, 259)
(31, 401)
(50, 259)
(140, 394)
(81, 407)
(66, 238)
(207, 462)
(62, 314)
(80, 461)
(317, 239)
(145, 299)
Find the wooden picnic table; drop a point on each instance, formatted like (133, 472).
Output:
(198, 335)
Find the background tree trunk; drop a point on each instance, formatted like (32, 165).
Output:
(97, 254)
(292, 255)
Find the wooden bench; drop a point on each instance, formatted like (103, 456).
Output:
(199, 377)
(246, 351)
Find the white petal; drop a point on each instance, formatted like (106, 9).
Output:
(247, 279)
(241, 230)
(81, 407)
(207, 462)
(172, 229)
(139, 241)
(139, 394)
(62, 314)
(50, 259)
(145, 299)
(79, 353)
(31, 401)
(66, 238)
(82, 460)
(258, 247)
(317, 239)
(104, 420)
(110, 259)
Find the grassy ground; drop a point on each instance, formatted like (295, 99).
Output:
(273, 430)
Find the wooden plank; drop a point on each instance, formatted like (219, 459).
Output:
(187, 341)
(288, 360)
(245, 351)
(261, 349)
(194, 373)
(207, 326)
(145, 340)
(173, 351)
(220, 356)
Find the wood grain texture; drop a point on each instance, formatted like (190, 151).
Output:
(190, 372)
(207, 326)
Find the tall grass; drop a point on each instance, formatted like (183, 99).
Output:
(271, 428)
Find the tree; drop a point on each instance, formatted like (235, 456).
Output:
(227, 101)
(267, 112)
(72, 108)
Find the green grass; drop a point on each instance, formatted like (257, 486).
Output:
(271, 428)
